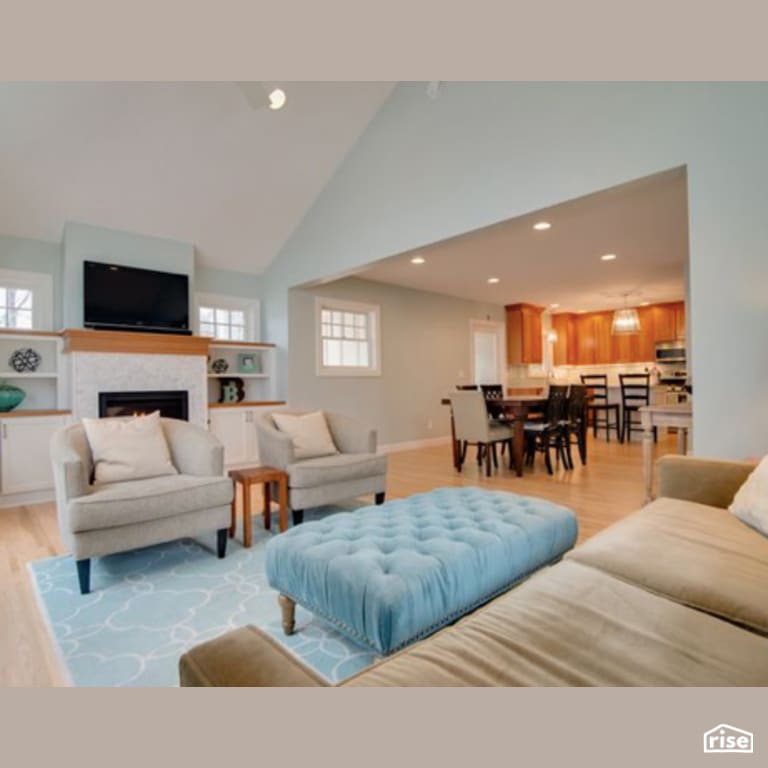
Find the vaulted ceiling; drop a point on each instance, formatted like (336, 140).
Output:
(187, 161)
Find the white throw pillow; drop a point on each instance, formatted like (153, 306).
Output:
(309, 432)
(750, 504)
(128, 449)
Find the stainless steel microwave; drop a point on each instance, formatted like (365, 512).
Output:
(670, 352)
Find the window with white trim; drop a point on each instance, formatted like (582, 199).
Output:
(26, 300)
(227, 318)
(347, 338)
(15, 308)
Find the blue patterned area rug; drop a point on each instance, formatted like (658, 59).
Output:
(151, 605)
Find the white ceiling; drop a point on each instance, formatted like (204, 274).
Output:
(644, 222)
(187, 161)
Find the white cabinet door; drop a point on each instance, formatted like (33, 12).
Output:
(234, 427)
(25, 453)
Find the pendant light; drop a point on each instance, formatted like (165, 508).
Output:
(626, 321)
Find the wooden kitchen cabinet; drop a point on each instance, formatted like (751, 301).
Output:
(664, 322)
(645, 351)
(680, 320)
(524, 341)
(564, 349)
(602, 322)
(586, 339)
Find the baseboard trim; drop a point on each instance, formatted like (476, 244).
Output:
(413, 445)
(23, 499)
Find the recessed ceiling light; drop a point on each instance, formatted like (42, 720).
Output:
(418, 260)
(608, 257)
(554, 306)
(494, 280)
(542, 225)
(277, 98)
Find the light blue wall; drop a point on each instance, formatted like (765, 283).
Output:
(481, 153)
(64, 261)
(226, 283)
(85, 242)
(30, 255)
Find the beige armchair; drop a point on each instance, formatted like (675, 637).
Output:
(357, 470)
(103, 518)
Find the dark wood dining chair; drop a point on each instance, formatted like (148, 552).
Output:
(597, 403)
(547, 433)
(635, 393)
(575, 423)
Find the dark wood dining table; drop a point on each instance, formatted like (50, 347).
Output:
(515, 410)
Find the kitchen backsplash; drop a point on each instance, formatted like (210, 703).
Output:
(536, 376)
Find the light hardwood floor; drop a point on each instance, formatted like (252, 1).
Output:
(607, 489)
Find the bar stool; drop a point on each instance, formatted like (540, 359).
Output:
(597, 384)
(635, 393)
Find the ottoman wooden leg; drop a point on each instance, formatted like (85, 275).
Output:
(288, 608)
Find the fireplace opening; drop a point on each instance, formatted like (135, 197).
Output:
(173, 404)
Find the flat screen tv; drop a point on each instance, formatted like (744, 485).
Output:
(131, 299)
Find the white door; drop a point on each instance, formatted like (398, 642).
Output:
(235, 428)
(25, 452)
(487, 349)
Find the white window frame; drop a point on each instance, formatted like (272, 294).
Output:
(251, 308)
(374, 343)
(41, 285)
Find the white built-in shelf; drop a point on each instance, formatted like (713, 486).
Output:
(238, 375)
(241, 344)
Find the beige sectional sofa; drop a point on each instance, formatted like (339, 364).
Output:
(675, 594)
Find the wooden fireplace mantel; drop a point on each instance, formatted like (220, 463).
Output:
(128, 342)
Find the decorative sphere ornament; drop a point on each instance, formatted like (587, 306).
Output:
(25, 360)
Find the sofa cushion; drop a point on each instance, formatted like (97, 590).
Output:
(694, 554)
(750, 504)
(335, 469)
(309, 433)
(128, 449)
(135, 501)
(574, 625)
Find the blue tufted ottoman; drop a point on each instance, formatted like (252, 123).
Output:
(389, 575)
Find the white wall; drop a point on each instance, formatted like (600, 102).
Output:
(425, 170)
(425, 345)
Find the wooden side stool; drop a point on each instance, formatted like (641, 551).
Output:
(246, 478)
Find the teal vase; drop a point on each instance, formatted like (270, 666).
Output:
(10, 396)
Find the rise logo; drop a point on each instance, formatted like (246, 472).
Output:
(726, 738)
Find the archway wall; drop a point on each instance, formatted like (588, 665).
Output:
(482, 152)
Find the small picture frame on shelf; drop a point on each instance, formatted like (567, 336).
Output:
(249, 363)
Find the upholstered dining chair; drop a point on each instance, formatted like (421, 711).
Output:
(99, 519)
(473, 427)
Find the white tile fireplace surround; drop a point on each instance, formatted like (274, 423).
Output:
(95, 372)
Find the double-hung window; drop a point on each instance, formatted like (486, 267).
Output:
(26, 300)
(227, 318)
(348, 338)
